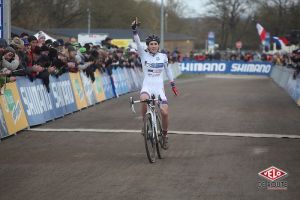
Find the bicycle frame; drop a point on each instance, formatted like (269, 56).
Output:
(151, 109)
(153, 140)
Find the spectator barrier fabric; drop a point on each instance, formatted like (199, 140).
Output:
(88, 89)
(98, 87)
(219, 67)
(12, 111)
(77, 87)
(284, 77)
(27, 103)
(3, 128)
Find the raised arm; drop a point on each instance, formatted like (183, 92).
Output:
(136, 37)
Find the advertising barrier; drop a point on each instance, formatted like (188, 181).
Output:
(293, 88)
(98, 87)
(107, 86)
(78, 90)
(28, 103)
(88, 89)
(284, 77)
(36, 100)
(219, 67)
(62, 95)
(12, 110)
(121, 86)
(3, 128)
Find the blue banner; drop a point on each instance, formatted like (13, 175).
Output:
(125, 84)
(1, 19)
(36, 100)
(62, 95)
(68, 94)
(120, 81)
(293, 87)
(57, 97)
(107, 86)
(129, 80)
(220, 67)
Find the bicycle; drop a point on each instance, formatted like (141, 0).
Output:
(152, 129)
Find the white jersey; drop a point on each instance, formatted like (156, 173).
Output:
(153, 67)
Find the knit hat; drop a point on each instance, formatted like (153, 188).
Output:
(9, 49)
(31, 38)
(25, 40)
(82, 50)
(3, 43)
(17, 42)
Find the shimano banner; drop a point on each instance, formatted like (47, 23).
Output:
(62, 95)
(225, 67)
(36, 100)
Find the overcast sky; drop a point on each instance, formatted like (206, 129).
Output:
(194, 7)
(197, 5)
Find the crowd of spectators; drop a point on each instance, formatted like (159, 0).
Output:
(38, 58)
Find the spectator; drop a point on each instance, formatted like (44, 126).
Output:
(41, 39)
(107, 43)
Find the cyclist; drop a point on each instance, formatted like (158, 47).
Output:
(154, 63)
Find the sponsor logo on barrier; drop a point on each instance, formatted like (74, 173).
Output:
(256, 68)
(9, 99)
(88, 89)
(98, 85)
(16, 114)
(259, 68)
(62, 92)
(274, 178)
(2, 124)
(78, 88)
(203, 67)
(37, 99)
(11, 106)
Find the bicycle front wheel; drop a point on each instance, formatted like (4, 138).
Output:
(150, 143)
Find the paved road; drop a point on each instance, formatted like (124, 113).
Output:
(91, 165)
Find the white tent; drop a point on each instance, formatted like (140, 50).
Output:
(46, 35)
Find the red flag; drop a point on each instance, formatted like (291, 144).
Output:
(261, 32)
(284, 40)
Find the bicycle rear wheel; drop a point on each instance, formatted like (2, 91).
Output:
(150, 143)
(159, 143)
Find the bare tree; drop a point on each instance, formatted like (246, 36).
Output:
(276, 14)
(229, 14)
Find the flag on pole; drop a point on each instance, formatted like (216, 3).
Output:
(261, 32)
(284, 40)
(280, 42)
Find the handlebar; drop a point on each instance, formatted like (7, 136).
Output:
(148, 101)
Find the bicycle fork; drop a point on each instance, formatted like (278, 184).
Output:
(154, 126)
